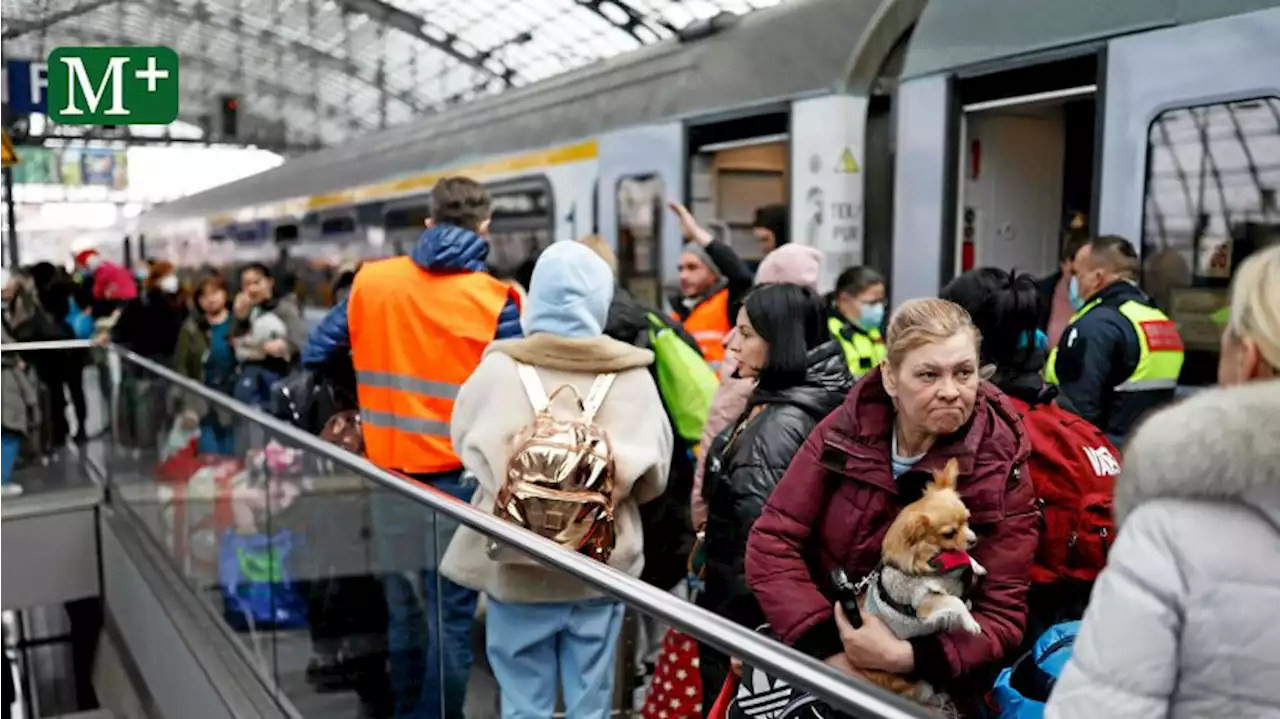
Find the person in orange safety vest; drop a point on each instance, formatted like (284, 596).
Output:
(713, 281)
(416, 327)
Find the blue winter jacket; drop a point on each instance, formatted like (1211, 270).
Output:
(443, 248)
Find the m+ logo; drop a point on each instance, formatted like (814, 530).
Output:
(113, 85)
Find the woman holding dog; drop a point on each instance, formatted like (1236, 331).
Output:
(926, 404)
(1182, 620)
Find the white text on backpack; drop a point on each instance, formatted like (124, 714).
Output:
(1104, 463)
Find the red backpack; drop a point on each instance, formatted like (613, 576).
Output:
(1074, 468)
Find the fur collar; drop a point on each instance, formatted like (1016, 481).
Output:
(595, 354)
(1220, 444)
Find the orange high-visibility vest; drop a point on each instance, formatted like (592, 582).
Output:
(416, 336)
(709, 324)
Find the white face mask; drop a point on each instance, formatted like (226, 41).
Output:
(168, 284)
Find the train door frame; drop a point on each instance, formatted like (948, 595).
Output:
(930, 128)
(659, 150)
(1152, 76)
(969, 157)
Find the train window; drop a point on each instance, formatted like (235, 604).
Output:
(286, 233)
(522, 224)
(640, 199)
(343, 225)
(1210, 201)
(406, 217)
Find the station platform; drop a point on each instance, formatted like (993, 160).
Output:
(284, 577)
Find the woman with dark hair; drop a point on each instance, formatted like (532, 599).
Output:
(205, 355)
(1071, 460)
(855, 312)
(781, 341)
(1005, 308)
(268, 333)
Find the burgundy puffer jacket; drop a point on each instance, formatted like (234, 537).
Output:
(838, 498)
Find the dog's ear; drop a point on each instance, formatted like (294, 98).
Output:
(948, 477)
(917, 528)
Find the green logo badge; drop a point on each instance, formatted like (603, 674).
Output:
(113, 85)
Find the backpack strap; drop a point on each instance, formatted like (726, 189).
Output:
(595, 397)
(533, 387)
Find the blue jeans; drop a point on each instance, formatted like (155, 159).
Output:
(428, 642)
(536, 648)
(253, 386)
(216, 438)
(11, 443)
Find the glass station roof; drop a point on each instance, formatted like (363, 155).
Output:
(310, 73)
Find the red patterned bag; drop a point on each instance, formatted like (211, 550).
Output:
(676, 689)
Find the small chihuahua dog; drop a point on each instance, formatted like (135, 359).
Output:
(925, 572)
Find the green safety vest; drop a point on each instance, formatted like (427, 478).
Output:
(1160, 359)
(863, 351)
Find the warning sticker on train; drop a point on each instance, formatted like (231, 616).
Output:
(848, 164)
(9, 156)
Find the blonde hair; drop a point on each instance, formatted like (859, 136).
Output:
(926, 321)
(600, 246)
(1255, 303)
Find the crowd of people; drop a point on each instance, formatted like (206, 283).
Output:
(830, 416)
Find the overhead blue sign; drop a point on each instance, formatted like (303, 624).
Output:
(26, 86)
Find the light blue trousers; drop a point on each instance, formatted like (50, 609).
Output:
(535, 648)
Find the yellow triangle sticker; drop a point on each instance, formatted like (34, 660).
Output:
(8, 156)
(848, 163)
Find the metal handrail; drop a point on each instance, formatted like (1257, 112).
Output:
(855, 698)
(47, 345)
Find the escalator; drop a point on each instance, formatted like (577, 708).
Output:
(293, 578)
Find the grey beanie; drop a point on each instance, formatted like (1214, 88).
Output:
(700, 252)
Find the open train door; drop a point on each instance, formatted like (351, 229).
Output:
(640, 169)
(1191, 144)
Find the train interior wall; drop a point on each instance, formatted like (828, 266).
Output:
(1013, 189)
(728, 185)
(1026, 172)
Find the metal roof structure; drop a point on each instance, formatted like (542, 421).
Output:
(314, 73)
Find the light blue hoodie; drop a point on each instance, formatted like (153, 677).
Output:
(570, 292)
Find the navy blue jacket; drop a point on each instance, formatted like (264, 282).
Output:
(1099, 351)
(443, 248)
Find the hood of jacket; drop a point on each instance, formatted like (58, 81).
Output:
(826, 383)
(995, 431)
(569, 293)
(1220, 444)
(791, 264)
(449, 248)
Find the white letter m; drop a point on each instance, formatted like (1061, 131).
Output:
(80, 77)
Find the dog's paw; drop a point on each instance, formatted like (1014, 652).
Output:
(970, 625)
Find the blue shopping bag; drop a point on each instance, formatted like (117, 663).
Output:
(257, 586)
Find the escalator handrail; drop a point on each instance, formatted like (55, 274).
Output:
(858, 699)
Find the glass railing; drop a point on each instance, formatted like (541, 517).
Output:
(327, 572)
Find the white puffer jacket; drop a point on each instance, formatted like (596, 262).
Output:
(1185, 620)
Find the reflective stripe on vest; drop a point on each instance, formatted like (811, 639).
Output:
(416, 337)
(1160, 355)
(863, 352)
(708, 324)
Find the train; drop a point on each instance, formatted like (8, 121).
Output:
(923, 138)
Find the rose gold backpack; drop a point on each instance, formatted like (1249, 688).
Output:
(560, 477)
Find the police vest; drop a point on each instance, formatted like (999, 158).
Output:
(1160, 345)
(863, 351)
(416, 336)
(708, 323)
